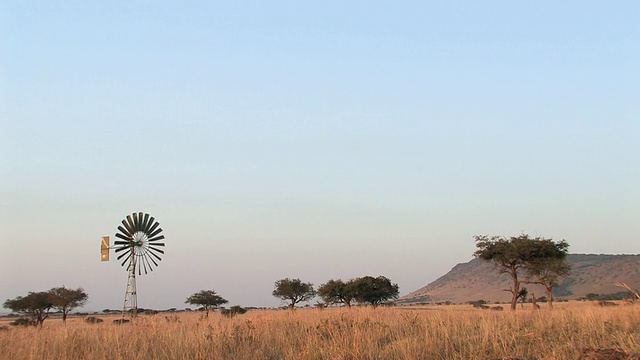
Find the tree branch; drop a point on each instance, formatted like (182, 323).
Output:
(623, 285)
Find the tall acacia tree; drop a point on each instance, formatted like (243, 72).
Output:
(516, 253)
(65, 300)
(207, 299)
(293, 291)
(337, 291)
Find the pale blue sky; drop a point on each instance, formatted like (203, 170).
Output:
(319, 141)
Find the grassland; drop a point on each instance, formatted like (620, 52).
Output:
(446, 332)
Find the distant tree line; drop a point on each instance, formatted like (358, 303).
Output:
(369, 290)
(620, 295)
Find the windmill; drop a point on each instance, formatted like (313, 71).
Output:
(139, 247)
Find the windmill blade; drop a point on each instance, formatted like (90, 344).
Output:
(128, 227)
(143, 265)
(123, 255)
(153, 261)
(157, 250)
(124, 237)
(145, 223)
(151, 221)
(158, 231)
(136, 222)
(145, 258)
(120, 242)
(140, 267)
(140, 223)
(153, 227)
(131, 224)
(144, 250)
(157, 238)
(155, 256)
(157, 244)
(126, 259)
(124, 231)
(123, 248)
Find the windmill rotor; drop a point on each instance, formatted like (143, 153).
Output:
(139, 242)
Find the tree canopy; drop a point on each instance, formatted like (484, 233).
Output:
(374, 291)
(337, 291)
(65, 300)
(207, 299)
(293, 291)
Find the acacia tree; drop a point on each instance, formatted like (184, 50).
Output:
(293, 291)
(207, 299)
(36, 306)
(374, 291)
(65, 300)
(337, 291)
(510, 255)
(547, 271)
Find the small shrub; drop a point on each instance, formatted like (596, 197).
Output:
(172, 319)
(121, 321)
(93, 320)
(233, 311)
(479, 304)
(24, 322)
(607, 303)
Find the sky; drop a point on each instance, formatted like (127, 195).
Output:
(312, 140)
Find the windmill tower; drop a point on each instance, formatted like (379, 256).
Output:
(139, 248)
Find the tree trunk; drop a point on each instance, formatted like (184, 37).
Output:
(516, 288)
(533, 301)
(549, 296)
(347, 304)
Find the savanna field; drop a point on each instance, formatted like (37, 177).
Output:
(438, 332)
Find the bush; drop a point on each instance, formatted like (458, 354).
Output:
(172, 318)
(233, 311)
(24, 322)
(93, 320)
(478, 303)
(620, 295)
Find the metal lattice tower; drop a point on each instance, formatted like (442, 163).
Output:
(131, 293)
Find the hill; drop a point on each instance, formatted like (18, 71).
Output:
(477, 279)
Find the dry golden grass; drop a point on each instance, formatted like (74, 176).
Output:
(453, 332)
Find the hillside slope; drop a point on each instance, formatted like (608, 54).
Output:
(476, 280)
